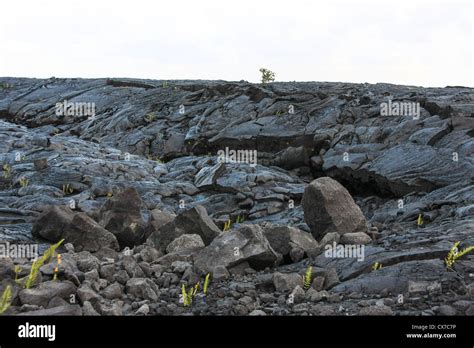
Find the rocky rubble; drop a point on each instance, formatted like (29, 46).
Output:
(367, 205)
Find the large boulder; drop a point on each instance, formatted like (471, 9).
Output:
(122, 216)
(192, 221)
(60, 222)
(328, 207)
(246, 244)
(291, 242)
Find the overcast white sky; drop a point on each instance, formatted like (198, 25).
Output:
(414, 42)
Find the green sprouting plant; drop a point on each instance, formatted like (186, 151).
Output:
(419, 222)
(24, 182)
(149, 117)
(307, 279)
(7, 171)
(377, 266)
(227, 225)
(187, 296)
(67, 189)
(40, 262)
(279, 113)
(190, 295)
(206, 284)
(184, 296)
(4, 85)
(455, 254)
(6, 299)
(17, 271)
(239, 219)
(196, 288)
(154, 158)
(267, 75)
(165, 84)
(56, 269)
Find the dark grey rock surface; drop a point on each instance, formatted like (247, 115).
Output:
(145, 170)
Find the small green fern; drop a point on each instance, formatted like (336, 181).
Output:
(187, 296)
(196, 288)
(17, 271)
(67, 189)
(376, 266)
(6, 299)
(149, 117)
(40, 262)
(227, 225)
(7, 171)
(419, 221)
(308, 278)
(455, 254)
(206, 284)
(184, 295)
(56, 269)
(24, 182)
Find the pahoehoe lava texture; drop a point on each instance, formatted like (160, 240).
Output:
(144, 203)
